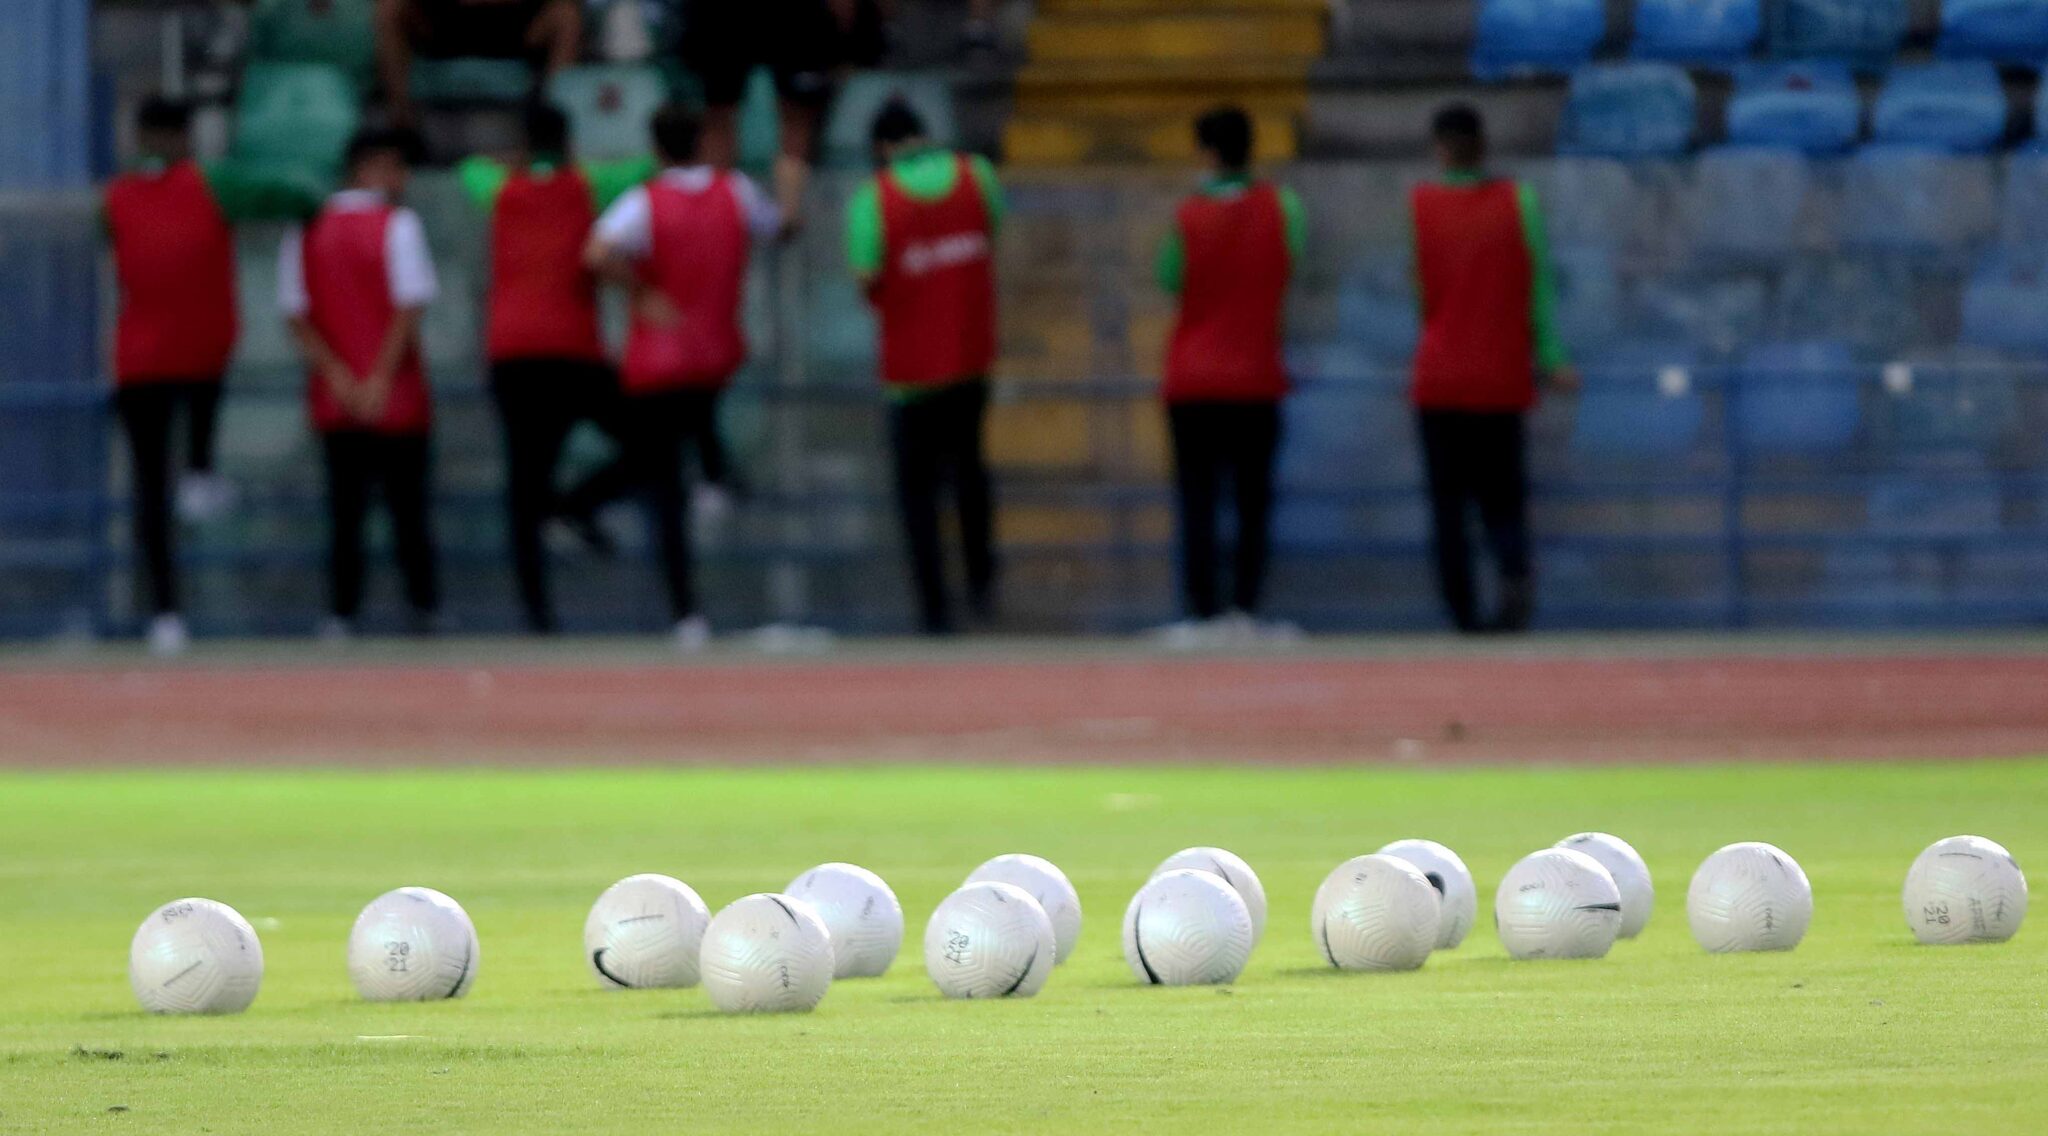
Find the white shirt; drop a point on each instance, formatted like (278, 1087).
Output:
(628, 226)
(408, 264)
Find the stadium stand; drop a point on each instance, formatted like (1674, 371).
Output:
(336, 32)
(1529, 36)
(292, 120)
(1867, 32)
(2005, 31)
(1811, 106)
(1630, 110)
(1697, 32)
(1955, 106)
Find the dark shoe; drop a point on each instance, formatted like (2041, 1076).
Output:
(1517, 606)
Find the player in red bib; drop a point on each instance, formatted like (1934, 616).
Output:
(1229, 258)
(547, 360)
(921, 238)
(1482, 268)
(168, 221)
(354, 283)
(681, 245)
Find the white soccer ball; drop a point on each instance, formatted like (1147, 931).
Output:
(644, 932)
(1375, 912)
(195, 956)
(1452, 880)
(1557, 904)
(1630, 873)
(1749, 897)
(1965, 889)
(1234, 871)
(1187, 928)
(766, 953)
(412, 945)
(860, 911)
(1043, 881)
(989, 940)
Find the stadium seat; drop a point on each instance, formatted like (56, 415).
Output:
(1591, 200)
(1696, 31)
(2005, 31)
(2023, 206)
(2005, 305)
(1863, 31)
(1811, 106)
(1747, 203)
(293, 120)
(1588, 294)
(862, 97)
(1525, 36)
(609, 107)
(1798, 398)
(1630, 110)
(760, 130)
(1880, 302)
(1626, 412)
(1919, 202)
(1376, 309)
(315, 31)
(1959, 400)
(1956, 105)
(471, 80)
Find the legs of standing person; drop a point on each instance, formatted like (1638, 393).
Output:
(972, 495)
(536, 421)
(1501, 487)
(350, 462)
(405, 463)
(145, 412)
(1447, 458)
(654, 438)
(1197, 472)
(202, 410)
(1255, 441)
(555, 39)
(916, 436)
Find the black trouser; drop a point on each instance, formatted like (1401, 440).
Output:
(1475, 459)
(615, 479)
(1214, 441)
(654, 432)
(146, 410)
(936, 436)
(539, 402)
(357, 461)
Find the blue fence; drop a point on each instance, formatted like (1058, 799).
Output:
(1777, 430)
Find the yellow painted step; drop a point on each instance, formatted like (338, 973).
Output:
(1196, 35)
(1069, 140)
(1240, 7)
(1160, 89)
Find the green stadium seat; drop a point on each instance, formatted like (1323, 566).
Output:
(293, 120)
(759, 128)
(315, 31)
(471, 80)
(863, 96)
(609, 107)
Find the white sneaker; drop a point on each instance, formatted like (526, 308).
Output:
(335, 631)
(204, 497)
(711, 507)
(692, 635)
(1240, 626)
(1186, 635)
(167, 636)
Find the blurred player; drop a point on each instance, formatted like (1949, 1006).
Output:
(920, 236)
(680, 244)
(547, 357)
(355, 283)
(1229, 258)
(545, 33)
(1482, 266)
(168, 221)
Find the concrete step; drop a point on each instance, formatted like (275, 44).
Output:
(1200, 35)
(1077, 139)
(1160, 89)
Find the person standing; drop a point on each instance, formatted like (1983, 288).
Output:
(1489, 333)
(169, 221)
(681, 245)
(355, 283)
(920, 237)
(1228, 259)
(547, 359)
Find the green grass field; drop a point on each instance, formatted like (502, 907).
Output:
(1857, 1031)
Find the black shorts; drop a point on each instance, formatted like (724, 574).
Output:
(484, 29)
(799, 41)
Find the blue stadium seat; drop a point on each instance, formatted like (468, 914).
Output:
(1864, 31)
(1588, 294)
(1696, 31)
(1520, 36)
(1747, 202)
(863, 96)
(1630, 110)
(2023, 207)
(1798, 398)
(609, 107)
(2005, 305)
(1376, 310)
(1592, 201)
(1920, 202)
(1626, 413)
(1957, 105)
(1811, 106)
(2006, 31)
(1960, 401)
(1882, 303)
